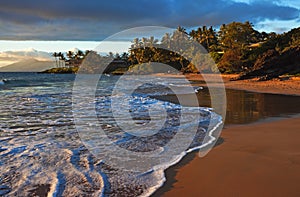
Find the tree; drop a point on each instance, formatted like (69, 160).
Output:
(124, 56)
(230, 62)
(152, 41)
(117, 56)
(235, 39)
(70, 55)
(111, 55)
(135, 43)
(55, 55)
(79, 55)
(166, 40)
(181, 29)
(60, 56)
(236, 35)
(207, 37)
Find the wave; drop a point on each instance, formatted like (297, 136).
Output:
(160, 169)
(40, 142)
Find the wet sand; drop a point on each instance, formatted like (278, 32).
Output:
(258, 159)
(254, 160)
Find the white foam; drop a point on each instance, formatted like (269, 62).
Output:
(160, 169)
(54, 141)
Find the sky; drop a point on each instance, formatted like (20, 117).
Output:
(58, 25)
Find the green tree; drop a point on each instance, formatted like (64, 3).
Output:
(70, 55)
(55, 55)
(79, 55)
(235, 39)
(207, 37)
(61, 57)
(124, 56)
(236, 35)
(166, 41)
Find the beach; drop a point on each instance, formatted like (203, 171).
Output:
(255, 159)
(256, 154)
(285, 85)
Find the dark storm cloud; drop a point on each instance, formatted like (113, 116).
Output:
(94, 20)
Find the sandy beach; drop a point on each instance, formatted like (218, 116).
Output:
(288, 86)
(254, 160)
(284, 85)
(258, 159)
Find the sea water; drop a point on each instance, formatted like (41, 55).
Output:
(42, 153)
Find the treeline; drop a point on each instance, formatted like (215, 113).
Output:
(70, 56)
(235, 48)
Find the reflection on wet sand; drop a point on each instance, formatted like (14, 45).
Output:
(247, 107)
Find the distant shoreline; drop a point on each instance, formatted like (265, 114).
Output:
(63, 70)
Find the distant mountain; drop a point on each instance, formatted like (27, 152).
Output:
(26, 54)
(12, 57)
(28, 65)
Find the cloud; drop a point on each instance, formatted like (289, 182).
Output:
(95, 20)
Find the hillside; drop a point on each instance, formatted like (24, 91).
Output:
(29, 65)
(272, 65)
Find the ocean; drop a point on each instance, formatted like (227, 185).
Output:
(114, 140)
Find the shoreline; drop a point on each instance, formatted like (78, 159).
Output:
(242, 165)
(256, 159)
(286, 86)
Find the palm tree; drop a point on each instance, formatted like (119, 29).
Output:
(209, 36)
(117, 56)
(55, 55)
(152, 41)
(59, 54)
(181, 29)
(79, 55)
(61, 58)
(166, 40)
(70, 55)
(206, 37)
(144, 41)
(111, 55)
(194, 34)
(135, 43)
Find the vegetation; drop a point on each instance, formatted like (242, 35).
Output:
(69, 63)
(236, 48)
(62, 70)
